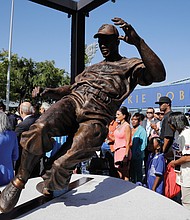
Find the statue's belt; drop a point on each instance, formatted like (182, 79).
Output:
(98, 93)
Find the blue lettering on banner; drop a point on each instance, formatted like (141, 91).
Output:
(146, 97)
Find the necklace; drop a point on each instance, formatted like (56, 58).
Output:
(120, 125)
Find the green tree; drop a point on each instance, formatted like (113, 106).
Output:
(49, 76)
(23, 72)
(3, 72)
(3, 68)
(26, 74)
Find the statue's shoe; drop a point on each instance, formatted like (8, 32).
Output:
(9, 197)
(46, 192)
(43, 189)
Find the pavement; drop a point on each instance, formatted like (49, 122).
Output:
(102, 198)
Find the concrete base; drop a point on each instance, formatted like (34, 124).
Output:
(104, 198)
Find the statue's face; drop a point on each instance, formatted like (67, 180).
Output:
(108, 45)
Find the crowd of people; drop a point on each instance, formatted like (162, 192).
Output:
(143, 145)
(12, 125)
(138, 147)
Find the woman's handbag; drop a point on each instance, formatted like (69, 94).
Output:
(171, 187)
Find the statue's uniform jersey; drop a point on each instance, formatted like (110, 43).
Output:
(101, 88)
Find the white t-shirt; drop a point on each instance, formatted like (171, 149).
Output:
(183, 140)
(148, 127)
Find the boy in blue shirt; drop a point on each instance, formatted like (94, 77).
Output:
(156, 166)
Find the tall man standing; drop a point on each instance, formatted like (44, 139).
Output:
(167, 134)
(85, 110)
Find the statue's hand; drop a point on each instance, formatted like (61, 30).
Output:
(36, 92)
(131, 36)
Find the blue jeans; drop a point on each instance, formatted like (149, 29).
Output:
(105, 148)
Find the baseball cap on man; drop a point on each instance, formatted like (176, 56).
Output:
(107, 29)
(164, 99)
(188, 113)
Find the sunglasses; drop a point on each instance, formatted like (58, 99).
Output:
(160, 113)
(149, 113)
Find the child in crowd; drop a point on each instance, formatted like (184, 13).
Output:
(156, 166)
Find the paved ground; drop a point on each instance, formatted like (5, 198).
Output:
(104, 198)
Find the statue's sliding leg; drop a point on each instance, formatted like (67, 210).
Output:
(86, 141)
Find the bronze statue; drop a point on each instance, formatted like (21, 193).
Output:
(84, 111)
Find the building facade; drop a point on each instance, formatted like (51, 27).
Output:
(141, 99)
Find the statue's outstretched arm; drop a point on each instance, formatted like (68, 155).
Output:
(54, 93)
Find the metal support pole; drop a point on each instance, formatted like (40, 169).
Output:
(77, 44)
(78, 10)
(9, 58)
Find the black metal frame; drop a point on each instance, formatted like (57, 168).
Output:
(78, 11)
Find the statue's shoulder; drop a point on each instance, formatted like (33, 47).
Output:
(128, 62)
(132, 59)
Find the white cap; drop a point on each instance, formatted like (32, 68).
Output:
(156, 110)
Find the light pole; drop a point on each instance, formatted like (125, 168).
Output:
(9, 58)
(91, 51)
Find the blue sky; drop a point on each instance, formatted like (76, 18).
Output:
(43, 34)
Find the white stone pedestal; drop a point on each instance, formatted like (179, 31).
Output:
(104, 198)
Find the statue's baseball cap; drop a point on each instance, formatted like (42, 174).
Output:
(164, 99)
(107, 29)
